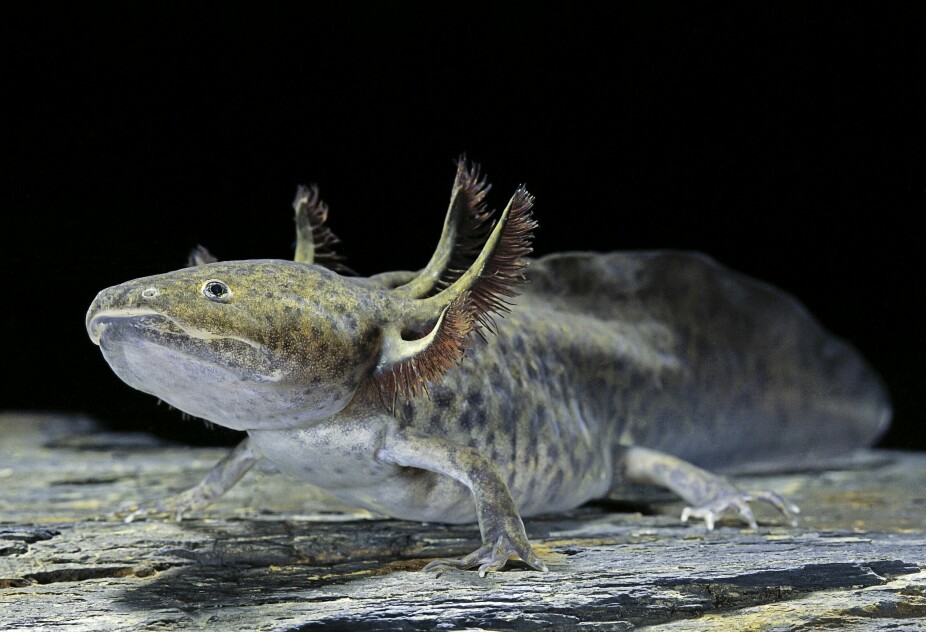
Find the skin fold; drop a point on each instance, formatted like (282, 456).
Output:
(460, 393)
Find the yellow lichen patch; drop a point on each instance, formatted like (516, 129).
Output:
(548, 554)
(398, 566)
(548, 545)
(87, 503)
(859, 499)
(388, 568)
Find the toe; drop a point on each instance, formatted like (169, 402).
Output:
(779, 502)
(745, 512)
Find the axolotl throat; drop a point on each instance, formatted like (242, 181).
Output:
(459, 393)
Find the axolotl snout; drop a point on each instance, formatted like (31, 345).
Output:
(437, 395)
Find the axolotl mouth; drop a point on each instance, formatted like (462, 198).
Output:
(229, 380)
(98, 321)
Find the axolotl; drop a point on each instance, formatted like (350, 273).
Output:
(486, 387)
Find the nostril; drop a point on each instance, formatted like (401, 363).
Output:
(149, 292)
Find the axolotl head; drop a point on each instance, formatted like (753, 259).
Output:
(266, 344)
(242, 342)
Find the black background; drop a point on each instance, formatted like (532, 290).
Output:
(786, 143)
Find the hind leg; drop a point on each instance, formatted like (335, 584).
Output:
(708, 494)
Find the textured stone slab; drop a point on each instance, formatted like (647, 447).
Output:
(276, 555)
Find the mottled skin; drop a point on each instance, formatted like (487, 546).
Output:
(643, 366)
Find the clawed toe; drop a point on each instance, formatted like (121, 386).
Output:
(439, 567)
(130, 513)
(172, 507)
(779, 502)
(488, 558)
(711, 511)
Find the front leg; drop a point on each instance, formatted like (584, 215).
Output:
(499, 522)
(219, 480)
(709, 494)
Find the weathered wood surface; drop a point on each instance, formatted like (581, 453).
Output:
(278, 555)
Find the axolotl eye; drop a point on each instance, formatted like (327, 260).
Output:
(217, 291)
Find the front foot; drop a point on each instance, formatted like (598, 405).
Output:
(173, 506)
(491, 557)
(729, 498)
(219, 480)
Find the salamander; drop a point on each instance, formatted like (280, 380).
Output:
(486, 387)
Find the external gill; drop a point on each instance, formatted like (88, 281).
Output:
(407, 364)
(466, 228)
(314, 240)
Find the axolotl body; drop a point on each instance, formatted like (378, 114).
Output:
(438, 396)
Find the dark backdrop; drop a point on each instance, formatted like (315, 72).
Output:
(786, 143)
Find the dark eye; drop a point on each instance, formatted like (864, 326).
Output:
(216, 291)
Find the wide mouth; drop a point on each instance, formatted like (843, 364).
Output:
(118, 332)
(136, 318)
(159, 328)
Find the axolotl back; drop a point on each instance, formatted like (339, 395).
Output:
(437, 395)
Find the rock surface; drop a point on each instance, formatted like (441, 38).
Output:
(274, 555)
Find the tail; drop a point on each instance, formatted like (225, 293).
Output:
(758, 378)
